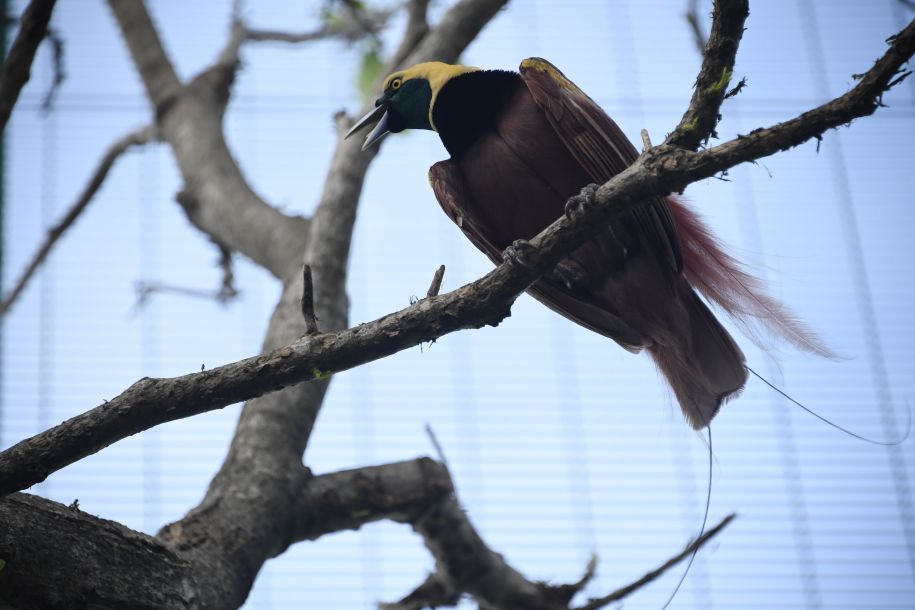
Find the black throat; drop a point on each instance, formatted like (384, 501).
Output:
(469, 104)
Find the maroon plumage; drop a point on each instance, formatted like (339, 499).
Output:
(520, 146)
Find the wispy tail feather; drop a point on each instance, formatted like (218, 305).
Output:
(723, 281)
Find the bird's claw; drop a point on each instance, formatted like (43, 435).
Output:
(581, 202)
(518, 253)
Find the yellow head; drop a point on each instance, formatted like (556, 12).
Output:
(408, 98)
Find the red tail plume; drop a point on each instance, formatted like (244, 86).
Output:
(722, 280)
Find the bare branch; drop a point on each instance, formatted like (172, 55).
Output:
(349, 499)
(308, 302)
(436, 591)
(149, 573)
(436, 284)
(619, 594)
(40, 538)
(162, 84)
(60, 74)
(699, 120)
(136, 138)
(217, 198)
(227, 290)
(457, 28)
(695, 25)
(646, 140)
(661, 170)
(355, 26)
(18, 65)
(417, 28)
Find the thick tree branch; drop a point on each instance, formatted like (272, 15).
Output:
(79, 549)
(18, 66)
(661, 170)
(217, 198)
(349, 499)
(701, 117)
(153, 65)
(136, 138)
(60, 557)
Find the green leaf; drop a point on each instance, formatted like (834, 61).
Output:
(369, 72)
(333, 20)
(2, 564)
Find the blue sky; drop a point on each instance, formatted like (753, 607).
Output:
(561, 443)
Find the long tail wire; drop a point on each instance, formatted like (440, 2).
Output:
(908, 427)
(708, 502)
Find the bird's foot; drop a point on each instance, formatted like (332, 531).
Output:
(581, 202)
(518, 254)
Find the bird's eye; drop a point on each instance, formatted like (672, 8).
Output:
(395, 84)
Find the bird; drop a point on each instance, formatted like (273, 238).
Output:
(521, 145)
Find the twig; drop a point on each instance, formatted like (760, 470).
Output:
(646, 140)
(136, 138)
(699, 120)
(565, 593)
(146, 289)
(227, 290)
(60, 74)
(619, 594)
(358, 24)
(695, 25)
(18, 65)
(308, 302)
(436, 445)
(223, 295)
(662, 170)
(436, 282)
(436, 591)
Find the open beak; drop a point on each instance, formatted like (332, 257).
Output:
(379, 114)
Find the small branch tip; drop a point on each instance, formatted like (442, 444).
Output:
(436, 284)
(308, 302)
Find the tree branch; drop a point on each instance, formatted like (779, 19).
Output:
(60, 557)
(701, 117)
(619, 594)
(18, 66)
(349, 499)
(217, 199)
(695, 26)
(57, 556)
(136, 138)
(661, 170)
(417, 28)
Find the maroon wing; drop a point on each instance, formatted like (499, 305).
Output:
(459, 204)
(694, 352)
(667, 224)
(600, 147)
